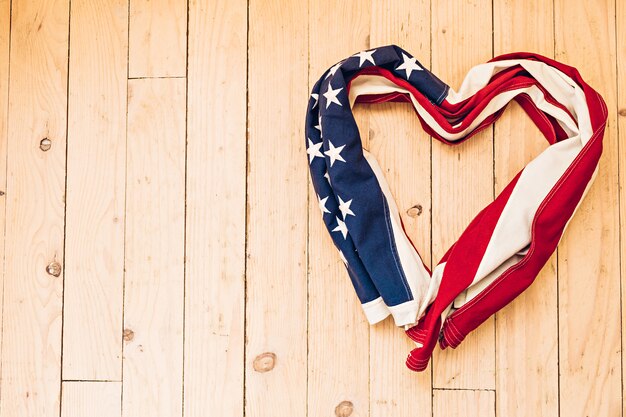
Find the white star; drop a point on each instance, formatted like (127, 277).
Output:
(314, 150)
(322, 203)
(318, 126)
(344, 207)
(327, 176)
(409, 65)
(334, 153)
(341, 227)
(331, 96)
(333, 69)
(314, 97)
(365, 56)
(343, 258)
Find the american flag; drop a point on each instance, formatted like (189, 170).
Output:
(505, 246)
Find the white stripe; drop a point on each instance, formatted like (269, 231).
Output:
(480, 284)
(375, 310)
(423, 287)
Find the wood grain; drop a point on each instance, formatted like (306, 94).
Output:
(91, 399)
(96, 165)
(233, 299)
(462, 178)
(157, 39)
(276, 297)
(155, 247)
(620, 37)
(31, 347)
(402, 149)
(216, 209)
(588, 261)
(338, 366)
(527, 329)
(5, 35)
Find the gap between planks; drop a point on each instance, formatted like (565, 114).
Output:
(91, 380)
(464, 389)
(169, 77)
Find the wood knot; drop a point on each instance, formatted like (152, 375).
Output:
(45, 144)
(265, 362)
(54, 269)
(622, 112)
(128, 335)
(344, 409)
(415, 211)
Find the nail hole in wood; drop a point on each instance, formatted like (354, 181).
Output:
(1, 193)
(344, 409)
(415, 211)
(54, 269)
(45, 144)
(128, 335)
(265, 362)
(622, 112)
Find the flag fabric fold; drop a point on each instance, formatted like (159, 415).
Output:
(503, 249)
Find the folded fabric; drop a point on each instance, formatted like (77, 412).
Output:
(503, 249)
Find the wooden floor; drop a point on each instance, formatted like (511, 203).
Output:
(163, 254)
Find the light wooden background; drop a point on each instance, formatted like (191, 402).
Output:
(163, 254)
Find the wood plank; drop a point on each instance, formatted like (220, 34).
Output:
(157, 38)
(466, 403)
(526, 329)
(94, 261)
(35, 190)
(402, 149)
(620, 22)
(338, 371)
(155, 248)
(216, 208)
(5, 35)
(277, 193)
(91, 399)
(588, 258)
(462, 178)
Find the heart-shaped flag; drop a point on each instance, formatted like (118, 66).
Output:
(503, 249)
